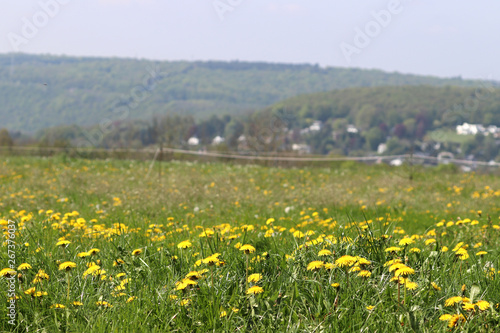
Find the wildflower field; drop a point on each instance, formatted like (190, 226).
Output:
(109, 246)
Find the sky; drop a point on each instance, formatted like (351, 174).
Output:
(446, 38)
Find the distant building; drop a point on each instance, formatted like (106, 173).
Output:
(396, 162)
(301, 148)
(316, 126)
(382, 148)
(470, 129)
(218, 140)
(352, 129)
(193, 141)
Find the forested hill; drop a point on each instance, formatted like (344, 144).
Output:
(43, 91)
(366, 108)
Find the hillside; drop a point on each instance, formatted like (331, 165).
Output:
(369, 107)
(40, 91)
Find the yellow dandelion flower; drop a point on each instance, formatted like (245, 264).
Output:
(430, 241)
(324, 252)
(364, 274)
(392, 262)
(30, 291)
(254, 290)
(57, 306)
(222, 314)
(93, 252)
(435, 286)
(481, 253)
(131, 298)
(118, 262)
(185, 302)
(184, 244)
(329, 266)
(83, 254)
(335, 285)
(254, 277)
(406, 241)
(404, 271)
(314, 265)
(462, 254)
(393, 249)
(247, 249)
(24, 267)
(39, 294)
(415, 250)
(104, 304)
(452, 301)
(411, 285)
(468, 306)
(298, 234)
(92, 270)
(345, 261)
(456, 320)
(7, 272)
(67, 266)
(362, 261)
(194, 275)
(77, 303)
(482, 305)
(445, 317)
(63, 243)
(136, 252)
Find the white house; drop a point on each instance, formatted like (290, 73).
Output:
(470, 129)
(352, 129)
(218, 140)
(316, 126)
(301, 148)
(193, 141)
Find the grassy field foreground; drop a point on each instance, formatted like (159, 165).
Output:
(110, 246)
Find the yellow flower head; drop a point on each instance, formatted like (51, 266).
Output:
(314, 265)
(406, 241)
(24, 267)
(247, 249)
(345, 261)
(7, 272)
(67, 266)
(404, 271)
(184, 244)
(393, 249)
(63, 243)
(255, 277)
(324, 252)
(364, 274)
(136, 252)
(254, 290)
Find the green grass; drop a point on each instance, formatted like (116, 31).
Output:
(448, 136)
(120, 206)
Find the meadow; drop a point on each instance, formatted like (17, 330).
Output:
(112, 246)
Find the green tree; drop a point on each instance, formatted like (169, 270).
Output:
(374, 137)
(5, 139)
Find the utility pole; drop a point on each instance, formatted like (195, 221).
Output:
(160, 158)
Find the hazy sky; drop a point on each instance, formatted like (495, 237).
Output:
(443, 38)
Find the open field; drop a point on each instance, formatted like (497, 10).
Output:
(112, 247)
